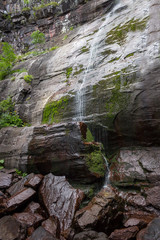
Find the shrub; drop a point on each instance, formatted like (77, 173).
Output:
(28, 78)
(38, 37)
(9, 117)
(7, 57)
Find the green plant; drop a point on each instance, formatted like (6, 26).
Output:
(1, 164)
(68, 72)
(53, 48)
(38, 37)
(7, 57)
(28, 78)
(20, 173)
(65, 37)
(71, 28)
(43, 5)
(95, 163)
(8, 116)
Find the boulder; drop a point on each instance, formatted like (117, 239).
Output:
(153, 230)
(18, 186)
(5, 180)
(103, 213)
(28, 219)
(33, 207)
(89, 235)
(52, 225)
(60, 199)
(34, 182)
(11, 229)
(19, 199)
(41, 234)
(124, 234)
(153, 196)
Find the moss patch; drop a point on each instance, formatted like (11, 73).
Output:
(84, 49)
(95, 163)
(53, 111)
(68, 72)
(119, 33)
(54, 4)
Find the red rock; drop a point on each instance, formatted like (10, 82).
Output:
(140, 235)
(124, 234)
(30, 230)
(52, 225)
(153, 196)
(29, 219)
(18, 186)
(20, 198)
(33, 207)
(60, 199)
(103, 212)
(135, 222)
(10, 229)
(152, 232)
(41, 234)
(34, 181)
(5, 180)
(89, 235)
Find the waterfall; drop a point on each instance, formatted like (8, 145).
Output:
(107, 175)
(80, 96)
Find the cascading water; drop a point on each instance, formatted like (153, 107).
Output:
(80, 96)
(107, 175)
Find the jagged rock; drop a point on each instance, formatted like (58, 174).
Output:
(18, 186)
(52, 225)
(34, 181)
(138, 165)
(153, 197)
(19, 199)
(153, 230)
(5, 180)
(41, 234)
(60, 199)
(28, 219)
(89, 235)
(11, 229)
(33, 207)
(124, 234)
(103, 213)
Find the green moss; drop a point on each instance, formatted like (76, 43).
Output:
(84, 49)
(119, 33)
(108, 52)
(28, 78)
(53, 48)
(89, 136)
(69, 72)
(78, 69)
(95, 163)
(53, 111)
(129, 55)
(25, 9)
(54, 4)
(114, 59)
(65, 37)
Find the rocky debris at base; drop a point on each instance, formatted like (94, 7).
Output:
(47, 207)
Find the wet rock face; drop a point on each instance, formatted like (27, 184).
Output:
(135, 167)
(60, 199)
(59, 149)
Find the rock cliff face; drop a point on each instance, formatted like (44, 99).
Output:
(105, 71)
